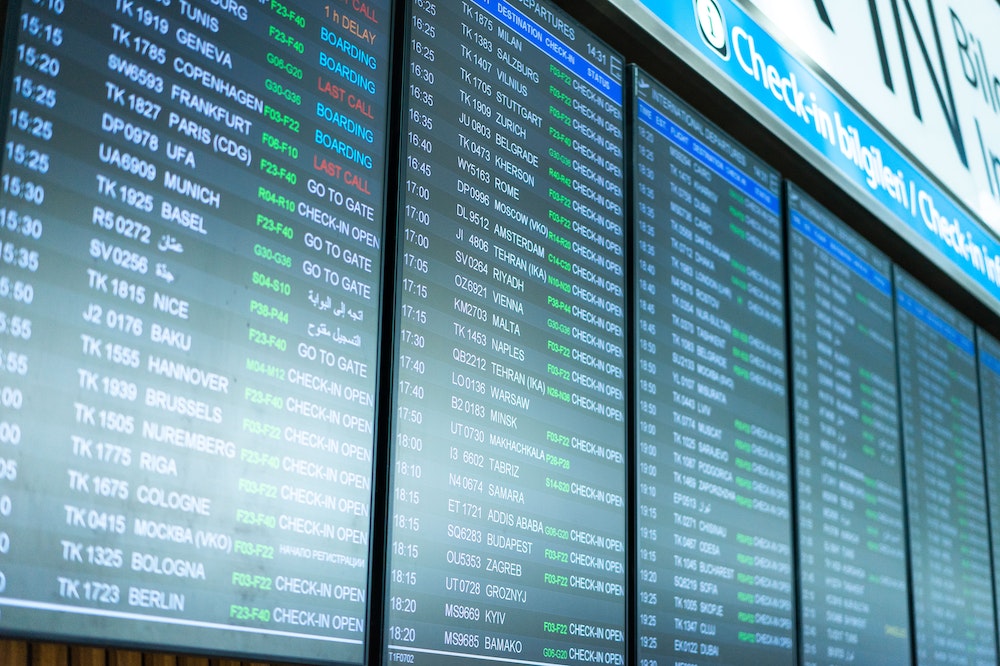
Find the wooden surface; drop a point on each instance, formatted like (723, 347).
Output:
(193, 661)
(124, 658)
(14, 653)
(85, 656)
(21, 653)
(159, 660)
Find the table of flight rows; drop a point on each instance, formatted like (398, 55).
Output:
(192, 219)
(193, 205)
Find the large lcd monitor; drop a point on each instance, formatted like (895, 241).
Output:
(508, 491)
(854, 593)
(989, 395)
(191, 222)
(714, 553)
(951, 575)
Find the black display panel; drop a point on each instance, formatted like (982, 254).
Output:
(714, 507)
(951, 578)
(192, 219)
(854, 599)
(508, 478)
(989, 395)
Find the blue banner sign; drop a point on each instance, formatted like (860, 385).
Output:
(744, 51)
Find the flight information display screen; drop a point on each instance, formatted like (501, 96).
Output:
(192, 220)
(508, 489)
(989, 392)
(849, 486)
(952, 586)
(714, 557)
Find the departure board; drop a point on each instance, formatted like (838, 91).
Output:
(951, 578)
(508, 449)
(989, 393)
(192, 220)
(714, 557)
(848, 459)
